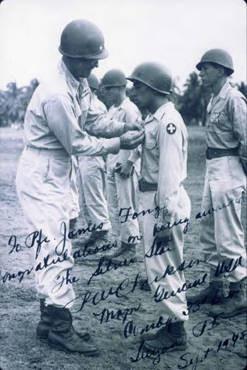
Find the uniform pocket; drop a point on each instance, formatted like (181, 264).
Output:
(150, 139)
(58, 170)
(220, 120)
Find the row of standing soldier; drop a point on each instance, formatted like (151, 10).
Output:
(64, 120)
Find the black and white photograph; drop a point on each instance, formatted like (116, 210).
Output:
(123, 173)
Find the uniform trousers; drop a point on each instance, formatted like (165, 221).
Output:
(221, 229)
(175, 306)
(92, 172)
(122, 193)
(44, 189)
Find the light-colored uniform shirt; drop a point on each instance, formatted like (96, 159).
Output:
(58, 111)
(125, 112)
(101, 108)
(226, 125)
(164, 154)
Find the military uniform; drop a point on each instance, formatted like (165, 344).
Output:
(93, 181)
(52, 135)
(163, 170)
(122, 192)
(221, 231)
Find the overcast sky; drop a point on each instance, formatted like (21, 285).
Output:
(175, 32)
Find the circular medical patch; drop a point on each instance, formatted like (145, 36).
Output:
(171, 128)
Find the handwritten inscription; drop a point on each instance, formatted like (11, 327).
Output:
(106, 265)
(187, 358)
(95, 298)
(228, 266)
(161, 294)
(158, 247)
(171, 270)
(131, 329)
(125, 213)
(144, 353)
(121, 314)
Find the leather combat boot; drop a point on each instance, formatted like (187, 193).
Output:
(45, 324)
(233, 305)
(172, 337)
(126, 251)
(63, 336)
(213, 294)
(159, 334)
(99, 237)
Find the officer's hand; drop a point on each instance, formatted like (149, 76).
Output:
(126, 170)
(130, 126)
(131, 139)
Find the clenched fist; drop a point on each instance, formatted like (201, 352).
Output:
(131, 139)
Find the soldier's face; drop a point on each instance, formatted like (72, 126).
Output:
(141, 95)
(209, 74)
(113, 95)
(80, 67)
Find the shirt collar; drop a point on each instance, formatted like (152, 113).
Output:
(221, 95)
(223, 90)
(70, 79)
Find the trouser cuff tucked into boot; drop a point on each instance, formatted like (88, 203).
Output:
(233, 305)
(45, 322)
(213, 294)
(171, 338)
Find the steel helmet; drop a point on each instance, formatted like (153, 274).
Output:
(114, 78)
(93, 81)
(82, 39)
(154, 75)
(217, 56)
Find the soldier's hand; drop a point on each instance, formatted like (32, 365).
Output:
(130, 126)
(126, 169)
(131, 139)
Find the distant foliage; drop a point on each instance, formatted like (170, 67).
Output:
(242, 87)
(14, 101)
(191, 102)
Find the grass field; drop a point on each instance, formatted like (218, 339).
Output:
(19, 308)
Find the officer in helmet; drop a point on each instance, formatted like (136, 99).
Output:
(55, 121)
(122, 168)
(163, 170)
(221, 230)
(93, 182)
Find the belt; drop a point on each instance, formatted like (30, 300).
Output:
(57, 153)
(217, 153)
(147, 186)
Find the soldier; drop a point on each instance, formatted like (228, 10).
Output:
(93, 172)
(163, 170)
(221, 229)
(122, 170)
(52, 134)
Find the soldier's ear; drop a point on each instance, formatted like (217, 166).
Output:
(222, 71)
